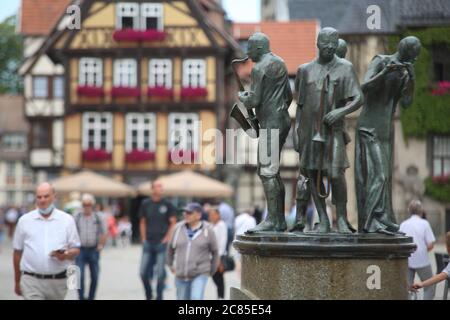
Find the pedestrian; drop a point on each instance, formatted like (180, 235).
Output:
(242, 224)
(444, 275)
(157, 219)
(2, 227)
(125, 230)
(192, 254)
(227, 215)
(92, 228)
(45, 244)
(12, 216)
(420, 230)
(221, 233)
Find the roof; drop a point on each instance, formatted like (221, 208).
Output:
(347, 16)
(294, 42)
(12, 119)
(350, 16)
(39, 16)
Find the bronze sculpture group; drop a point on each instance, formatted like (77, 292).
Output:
(326, 90)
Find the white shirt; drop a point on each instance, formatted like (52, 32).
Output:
(447, 270)
(422, 234)
(221, 232)
(243, 222)
(37, 237)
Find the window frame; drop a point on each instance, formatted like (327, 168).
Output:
(119, 14)
(158, 13)
(441, 158)
(54, 81)
(12, 145)
(97, 126)
(140, 126)
(119, 67)
(48, 126)
(201, 76)
(47, 86)
(156, 71)
(93, 75)
(183, 116)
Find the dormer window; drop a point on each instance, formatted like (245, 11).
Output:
(152, 16)
(127, 16)
(147, 16)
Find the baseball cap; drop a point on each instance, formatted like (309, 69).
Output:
(193, 206)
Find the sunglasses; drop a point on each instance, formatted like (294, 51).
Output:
(87, 204)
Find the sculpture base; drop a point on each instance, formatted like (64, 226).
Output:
(323, 266)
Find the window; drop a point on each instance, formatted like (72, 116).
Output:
(27, 176)
(41, 134)
(141, 132)
(40, 87)
(14, 142)
(441, 156)
(125, 74)
(58, 87)
(97, 131)
(148, 17)
(160, 73)
(183, 131)
(10, 170)
(91, 72)
(127, 16)
(152, 16)
(441, 62)
(194, 73)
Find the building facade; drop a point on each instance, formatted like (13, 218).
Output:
(143, 84)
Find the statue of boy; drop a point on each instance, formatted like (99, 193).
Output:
(270, 95)
(327, 90)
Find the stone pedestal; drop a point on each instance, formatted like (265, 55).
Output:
(318, 266)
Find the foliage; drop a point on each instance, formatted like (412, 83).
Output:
(11, 53)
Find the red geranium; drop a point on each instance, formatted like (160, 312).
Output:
(90, 91)
(96, 155)
(159, 92)
(190, 92)
(125, 92)
(139, 156)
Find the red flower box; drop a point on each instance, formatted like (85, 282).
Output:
(160, 92)
(140, 156)
(182, 155)
(441, 179)
(90, 91)
(96, 155)
(139, 35)
(125, 92)
(190, 92)
(153, 35)
(127, 35)
(443, 88)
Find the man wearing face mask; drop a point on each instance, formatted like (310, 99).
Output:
(327, 89)
(45, 243)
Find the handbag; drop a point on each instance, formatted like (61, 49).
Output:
(228, 263)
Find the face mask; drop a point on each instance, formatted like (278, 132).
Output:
(48, 210)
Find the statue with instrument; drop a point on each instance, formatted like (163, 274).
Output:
(270, 95)
(389, 80)
(327, 90)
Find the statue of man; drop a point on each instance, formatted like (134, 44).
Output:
(328, 90)
(341, 50)
(389, 80)
(270, 95)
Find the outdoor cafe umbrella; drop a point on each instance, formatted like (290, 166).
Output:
(189, 184)
(90, 182)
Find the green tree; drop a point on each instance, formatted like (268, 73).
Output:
(11, 54)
